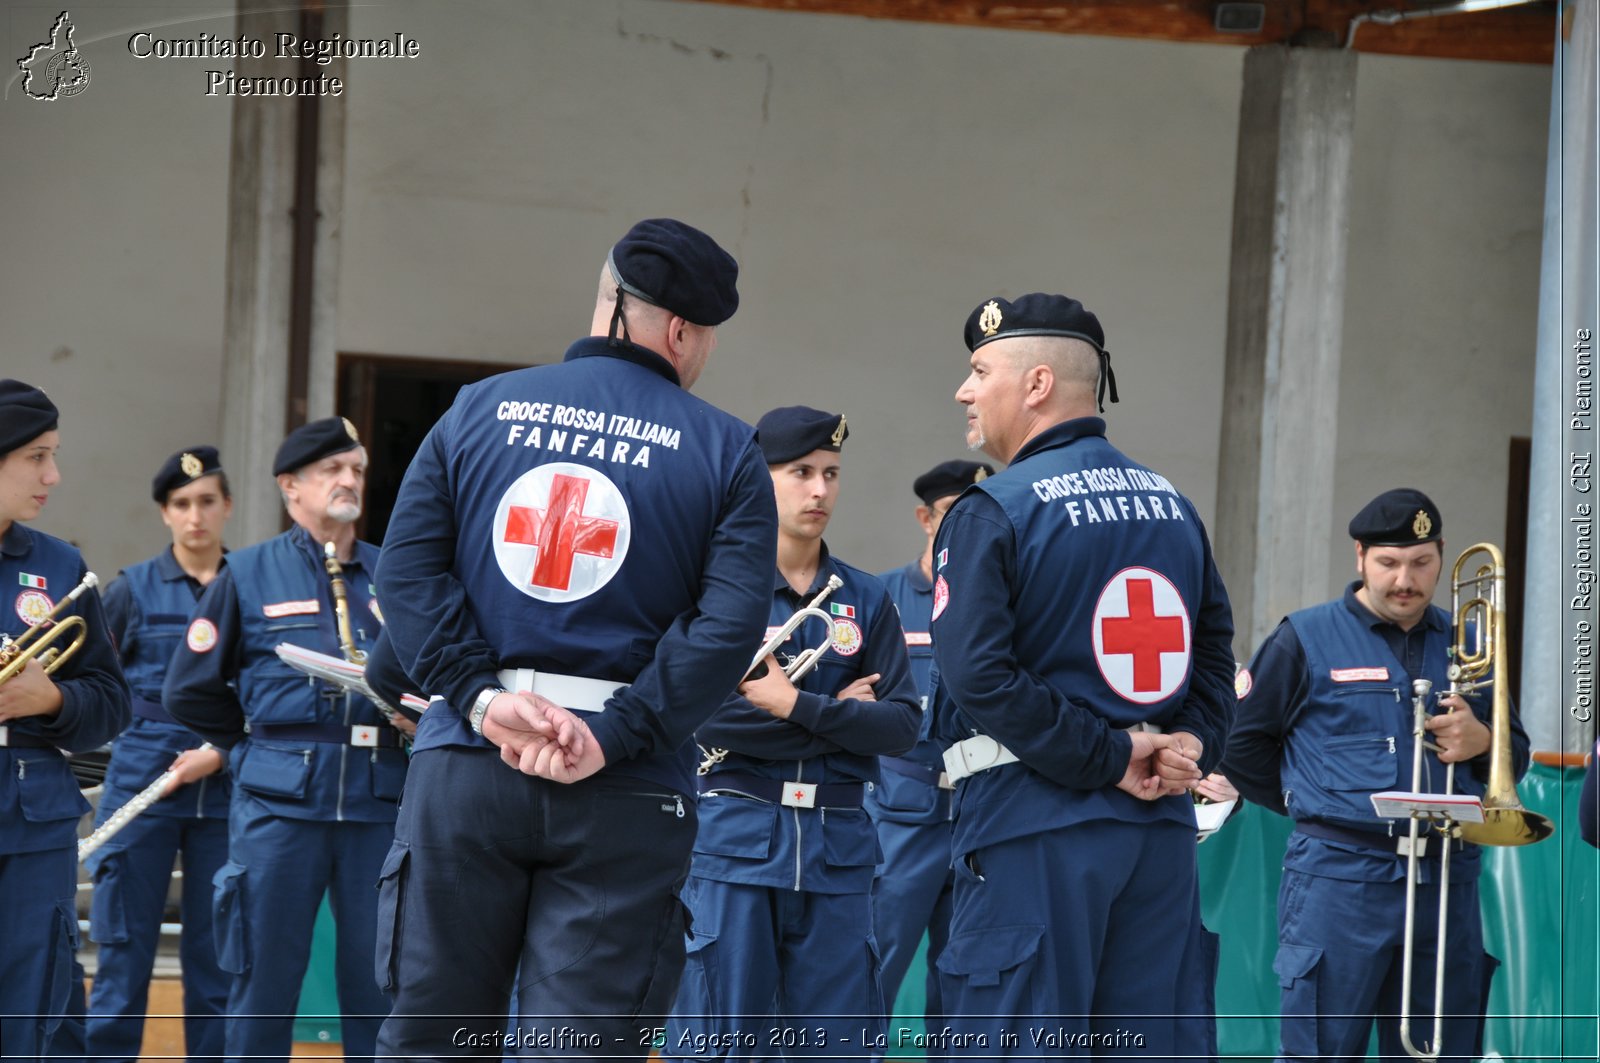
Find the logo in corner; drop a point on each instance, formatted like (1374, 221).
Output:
(54, 69)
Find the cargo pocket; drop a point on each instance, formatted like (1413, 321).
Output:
(273, 772)
(391, 913)
(58, 967)
(228, 918)
(989, 971)
(108, 922)
(1296, 967)
(388, 773)
(697, 994)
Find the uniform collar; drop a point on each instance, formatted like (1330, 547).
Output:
(918, 581)
(302, 538)
(168, 568)
(825, 568)
(600, 347)
(16, 541)
(1059, 435)
(1431, 617)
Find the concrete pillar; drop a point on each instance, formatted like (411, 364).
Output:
(1275, 521)
(260, 265)
(1561, 633)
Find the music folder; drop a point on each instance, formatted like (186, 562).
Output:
(1403, 804)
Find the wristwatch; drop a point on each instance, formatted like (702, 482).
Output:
(480, 708)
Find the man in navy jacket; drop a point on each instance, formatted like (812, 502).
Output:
(1082, 636)
(577, 565)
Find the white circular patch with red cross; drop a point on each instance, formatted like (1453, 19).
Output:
(202, 636)
(1141, 636)
(941, 597)
(33, 607)
(846, 638)
(561, 532)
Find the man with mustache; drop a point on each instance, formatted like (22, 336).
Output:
(1324, 722)
(317, 777)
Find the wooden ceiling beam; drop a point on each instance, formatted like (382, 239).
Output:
(1523, 34)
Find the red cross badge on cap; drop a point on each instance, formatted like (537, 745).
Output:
(1141, 636)
(561, 531)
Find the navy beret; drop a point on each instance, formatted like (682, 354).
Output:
(25, 414)
(677, 267)
(791, 432)
(1401, 517)
(313, 442)
(1039, 314)
(949, 478)
(183, 469)
(1033, 315)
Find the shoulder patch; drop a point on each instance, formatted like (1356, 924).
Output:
(941, 597)
(846, 638)
(1242, 683)
(202, 636)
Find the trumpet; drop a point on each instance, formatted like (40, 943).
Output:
(807, 658)
(802, 663)
(39, 641)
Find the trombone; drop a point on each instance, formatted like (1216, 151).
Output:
(1477, 657)
(39, 641)
(802, 663)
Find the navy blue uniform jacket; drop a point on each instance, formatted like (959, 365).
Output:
(593, 519)
(1075, 596)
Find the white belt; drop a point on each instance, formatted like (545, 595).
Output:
(570, 691)
(980, 753)
(972, 755)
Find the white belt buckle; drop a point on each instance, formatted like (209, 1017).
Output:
(1402, 846)
(365, 735)
(800, 794)
(944, 781)
(5, 735)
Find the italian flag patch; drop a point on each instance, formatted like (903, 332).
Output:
(846, 611)
(27, 579)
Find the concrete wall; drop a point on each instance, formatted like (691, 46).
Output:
(876, 180)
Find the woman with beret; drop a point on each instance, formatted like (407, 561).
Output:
(84, 704)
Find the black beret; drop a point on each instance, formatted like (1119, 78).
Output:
(791, 432)
(183, 469)
(679, 268)
(25, 414)
(313, 442)
(949, 478)
(1033, 315)
(1401, 517)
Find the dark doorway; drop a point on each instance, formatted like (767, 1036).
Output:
(394, 402)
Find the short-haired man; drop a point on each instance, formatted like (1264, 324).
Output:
(1082, 636)
(318, 774)
(1324, 721)
(148, 609)
(780, 888)
(576, 566)
(914, 802)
